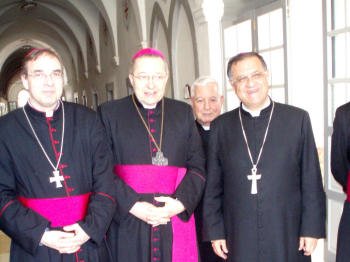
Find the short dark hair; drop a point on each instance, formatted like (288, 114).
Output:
(34, 54)
(241, 56)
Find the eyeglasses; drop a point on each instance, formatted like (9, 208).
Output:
(54, 75)
(147, 78)
(243, 80)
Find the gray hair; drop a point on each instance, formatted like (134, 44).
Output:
(204, 81)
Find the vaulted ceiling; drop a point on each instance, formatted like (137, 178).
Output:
(69, 26)
(72, 28)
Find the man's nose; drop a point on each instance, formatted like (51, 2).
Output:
(48, 79)
(150, 83)
(250, 81)
(206, 104)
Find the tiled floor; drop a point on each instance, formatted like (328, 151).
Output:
(4, 247)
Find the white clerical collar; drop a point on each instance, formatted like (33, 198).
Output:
(206, 128)
(148, 106)
(47, 113)
(256, 113)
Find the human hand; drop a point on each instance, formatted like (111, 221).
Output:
(220, 248)
(171, 207)
(149, 213)
(80, 237)
(307, 244)
(57, 240)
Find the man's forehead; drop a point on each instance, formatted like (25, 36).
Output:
(248, 64)
(148, 63)
(211, 88)
(45, 61)
(149, 59)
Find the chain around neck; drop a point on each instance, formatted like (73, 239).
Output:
(246, 140)
(40, 144)
(159, 147)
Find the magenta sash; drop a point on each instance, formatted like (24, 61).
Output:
(60, 211)
(148, 179)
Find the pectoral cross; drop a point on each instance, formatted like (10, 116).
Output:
(159, 159)
(57, 178)
(254, 177)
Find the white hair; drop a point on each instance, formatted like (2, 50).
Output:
(204, 81)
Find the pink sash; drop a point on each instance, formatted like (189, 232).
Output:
(61, 211)
(148, 179)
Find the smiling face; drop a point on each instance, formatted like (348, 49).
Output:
(250, 82)
(44, 81)
(148, 78)
(206, 103)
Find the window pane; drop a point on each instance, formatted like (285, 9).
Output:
(238, 38)
(269, 35)
(276, 27)
(275, 64)
(339, 94)
(270, 29)
(232, 100)
(264, 31)
(277, 94)
(329, 57)
(347, 12)
(341, 56)
(329, 16)
(339, 12)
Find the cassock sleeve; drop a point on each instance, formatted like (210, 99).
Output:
(190, 190)
(125, 195)
(24, 226)
(340, 146)
(213, 220)
(102, 202)
(313, 196)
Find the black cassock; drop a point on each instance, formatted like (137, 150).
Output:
(205, 249)
(340, 165)
(133, 240)
(204, 136)
(25, 171)
(290, 202)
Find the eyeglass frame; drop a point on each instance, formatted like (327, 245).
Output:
(40, 75)
(256, 76)
(146, 78)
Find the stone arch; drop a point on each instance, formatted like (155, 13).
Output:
(159, 37)
(180, 10)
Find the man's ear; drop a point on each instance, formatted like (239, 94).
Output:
(268, 77)
(234, 88)
(24, 79)
(221, 100)
(191, 101)
(131, 79)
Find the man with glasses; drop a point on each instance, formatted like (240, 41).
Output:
(264, 199)
(158, 153)
(57, 189)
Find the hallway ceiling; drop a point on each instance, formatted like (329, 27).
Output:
(235, 8)
(71, 27)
